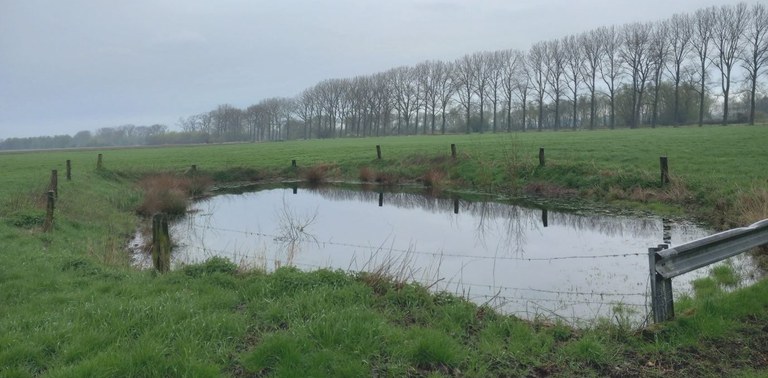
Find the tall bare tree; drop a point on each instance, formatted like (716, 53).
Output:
(730, 23)
(537, 71)
(611, 68)
(679, 41)
(592, 48)
(755, 55)
(703, 28)
(659, 57)
(495, 62)
(635, 51)
(574, 63)
(464, 77)
(510, 61)
(556, 58)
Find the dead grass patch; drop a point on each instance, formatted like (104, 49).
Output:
(545, 189)
(169, 193)
(751, 206)
(433, 178)
(387, 178)
(366, 174)
(317, 174)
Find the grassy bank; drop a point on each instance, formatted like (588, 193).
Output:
(72, 306)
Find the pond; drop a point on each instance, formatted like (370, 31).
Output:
(526, 261)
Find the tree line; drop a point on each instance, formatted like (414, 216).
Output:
(700, 67)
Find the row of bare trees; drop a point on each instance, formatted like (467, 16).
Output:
(686, 69)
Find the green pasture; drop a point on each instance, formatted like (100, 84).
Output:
(71, 305)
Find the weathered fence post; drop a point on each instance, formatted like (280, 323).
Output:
(545, 217)
(456, 206)
(295, 188)
(661, 288)
(161, 243)
(663, 164)
(453, 150)
(55, 182)
(48, 223)
(541, 156)
(293, 163)
(69, 170)
(378, 152)
(99, 162)
(381, 199)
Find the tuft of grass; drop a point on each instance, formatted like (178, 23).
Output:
(169, 193)
(725, 276)
(366, 174)
(316, 174)
(433, 178)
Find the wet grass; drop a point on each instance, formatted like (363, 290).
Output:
(70, 304)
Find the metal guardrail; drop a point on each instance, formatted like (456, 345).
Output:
(666, 264)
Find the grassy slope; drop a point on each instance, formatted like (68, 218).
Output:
(70, 306)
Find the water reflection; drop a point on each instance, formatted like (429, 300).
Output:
(527, 261)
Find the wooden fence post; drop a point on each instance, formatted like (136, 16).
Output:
(663, 164)
(55, 182)
(545, 217)
(99, 162)
(293, 163)
(378, 152)
(48, 224)
(456, 206)
(381, 199)
(541, 156)
(161, 243)
(453, 150)
(661, 289)
(69, 170)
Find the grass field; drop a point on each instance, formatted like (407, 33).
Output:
(71, 305)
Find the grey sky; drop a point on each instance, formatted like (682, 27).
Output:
(77, 65)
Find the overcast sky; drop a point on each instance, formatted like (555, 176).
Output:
(74, 65)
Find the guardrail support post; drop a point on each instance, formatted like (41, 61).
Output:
(661, 289)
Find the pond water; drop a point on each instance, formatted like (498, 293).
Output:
(525, 261)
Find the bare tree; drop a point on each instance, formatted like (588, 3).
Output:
(440, 91)
(592, 48)
(679, 40)
(494, 65)
(481, 66)
(522, 82)
(509, 61)
(537, 71)
(730, 23)
(611, 68)
(574, 63)
(755, 56)
(404, 91)
(464, 77)
(703, 28)
(556, 74)
(659, 56)
(635, 52)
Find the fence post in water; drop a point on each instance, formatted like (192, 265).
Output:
(541, 156)
(661, 288)
(99, 160)
(381, 199)
(453, 150)
(55, 182)
(48, 224)
(69, 170)
(161, 243)
(456, 206)
(545, 217)
(663, 164)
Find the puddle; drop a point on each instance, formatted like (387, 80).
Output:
(524, 261)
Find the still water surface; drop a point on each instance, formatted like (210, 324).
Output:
(525, 261)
